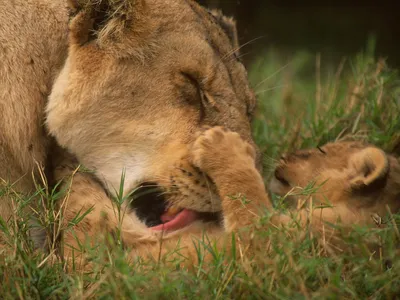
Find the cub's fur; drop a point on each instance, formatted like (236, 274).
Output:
(122, 86)
(355, 183)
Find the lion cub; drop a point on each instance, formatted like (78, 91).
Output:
(353, 183)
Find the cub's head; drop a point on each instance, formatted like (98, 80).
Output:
(141, 79)
(352, 173)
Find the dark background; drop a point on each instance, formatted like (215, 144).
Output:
(332, 28)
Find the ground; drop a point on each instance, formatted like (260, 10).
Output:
(303, 102)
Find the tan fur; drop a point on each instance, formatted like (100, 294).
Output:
(31, 54)
(131, 85)
(354, 183)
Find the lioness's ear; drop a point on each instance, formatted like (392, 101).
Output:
(229, 26)
(370, 166)
(110, 23)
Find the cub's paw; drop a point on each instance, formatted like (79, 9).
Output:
(218, 149)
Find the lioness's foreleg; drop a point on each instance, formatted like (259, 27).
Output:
(230, 163)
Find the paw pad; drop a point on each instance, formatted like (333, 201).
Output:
(218, 149)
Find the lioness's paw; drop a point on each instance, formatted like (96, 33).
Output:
(218, 149)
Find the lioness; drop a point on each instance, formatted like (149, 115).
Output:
(124, 86)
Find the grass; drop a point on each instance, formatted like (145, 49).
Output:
(303, 102)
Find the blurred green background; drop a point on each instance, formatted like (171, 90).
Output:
(333, 28)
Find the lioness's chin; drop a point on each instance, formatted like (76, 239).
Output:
(151, 206)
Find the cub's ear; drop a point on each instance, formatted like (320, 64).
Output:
(370, 168)
(112, 24)
(229, 26)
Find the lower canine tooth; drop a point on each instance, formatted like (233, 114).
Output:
(173, 210)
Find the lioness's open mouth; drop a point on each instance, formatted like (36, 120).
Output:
(151, 207)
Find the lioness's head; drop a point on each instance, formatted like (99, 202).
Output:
(141, 79)
(352, 173)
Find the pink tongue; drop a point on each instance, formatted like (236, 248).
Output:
(182, 219)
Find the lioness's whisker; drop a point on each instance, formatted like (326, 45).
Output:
(272, 75)
(230, 53)
(241, 46)
(271, 89)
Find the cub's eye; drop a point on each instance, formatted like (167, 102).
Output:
(320, 149)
